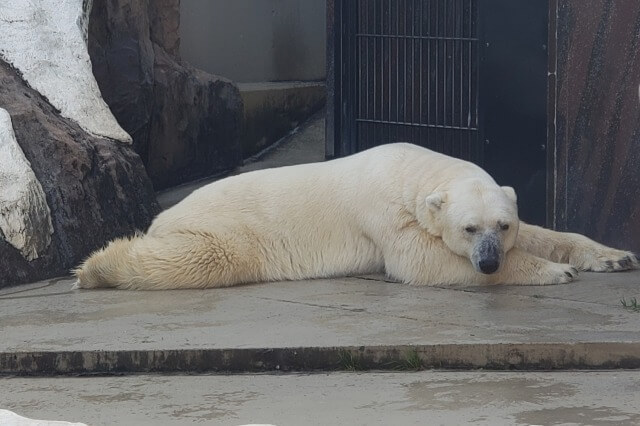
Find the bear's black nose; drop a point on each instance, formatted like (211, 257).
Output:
(488, 266)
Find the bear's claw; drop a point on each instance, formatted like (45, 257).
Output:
(572, 273)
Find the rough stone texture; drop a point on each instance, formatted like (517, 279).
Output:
(185, 123)
(122, 58)
(46, 41)
(25, 218)
(195, 122)
(96, 188)
(165, 25)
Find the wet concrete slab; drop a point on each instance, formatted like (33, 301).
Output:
(434, 398)
(311, 324)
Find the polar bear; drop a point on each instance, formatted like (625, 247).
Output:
(420, 216)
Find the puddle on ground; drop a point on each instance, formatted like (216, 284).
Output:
(217, 405)
(500, 392)
(578, 416)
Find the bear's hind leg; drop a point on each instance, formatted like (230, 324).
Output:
(578, 250)
(178, 260)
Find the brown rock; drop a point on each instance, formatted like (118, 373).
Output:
(165, 25)
(185, 123)
(122, 59)
(97, 189)
(195, 122)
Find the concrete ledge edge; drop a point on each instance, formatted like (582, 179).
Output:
(507, 356)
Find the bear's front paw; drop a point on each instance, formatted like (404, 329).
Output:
(608, 260)
(558, 273)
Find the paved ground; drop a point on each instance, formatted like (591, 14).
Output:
(351, 323)
(426, 398)
(49, 316)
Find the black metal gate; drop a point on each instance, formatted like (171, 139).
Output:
(408, 72)
(467, 78)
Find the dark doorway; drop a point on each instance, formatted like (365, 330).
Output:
(513, 98)
(463, 77)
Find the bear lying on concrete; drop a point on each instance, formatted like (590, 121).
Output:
(422, 217)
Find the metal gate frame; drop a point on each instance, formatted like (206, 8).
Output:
(445, 132)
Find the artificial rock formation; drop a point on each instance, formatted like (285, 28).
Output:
(25, 218)
(95, 188)
(185, 123)
(46, 41)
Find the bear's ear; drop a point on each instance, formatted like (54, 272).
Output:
(511, 193)
(435, 200)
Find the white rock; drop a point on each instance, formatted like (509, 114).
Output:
(46, 40)
(25, 218)
(9, 418)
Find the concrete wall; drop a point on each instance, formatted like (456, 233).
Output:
(255, 40)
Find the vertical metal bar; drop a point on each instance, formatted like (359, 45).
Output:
(358, 50)
(341, 109)
(460, 23)
(476, 81)
(413, 67)
(389, 75)
(553, 179)
(421, 70)
(375, 71)
(332, 120)
(397, 39)
(444, 72)
(381, 52)
(452, 82)
(470, 140)
(367, 30)
(429, 42)
(437, 79)
(364, 29)
(353, 75)
(404, 61)
(461, 50)
(473, 136)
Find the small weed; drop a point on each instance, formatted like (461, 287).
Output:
(410, 362)
(349, 362)
(631, 305)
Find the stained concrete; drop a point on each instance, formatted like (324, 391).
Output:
(271, 110)
(193, 330)
(425, 398)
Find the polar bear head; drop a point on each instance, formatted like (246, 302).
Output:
(476, 219)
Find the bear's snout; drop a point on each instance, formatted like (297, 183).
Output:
(488, 253)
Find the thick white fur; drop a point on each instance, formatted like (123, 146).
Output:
(397, 208)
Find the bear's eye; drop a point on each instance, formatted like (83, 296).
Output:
(504, 226)
(471, 229)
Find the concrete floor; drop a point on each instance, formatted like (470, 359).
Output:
(49, 316)
(425, 398)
